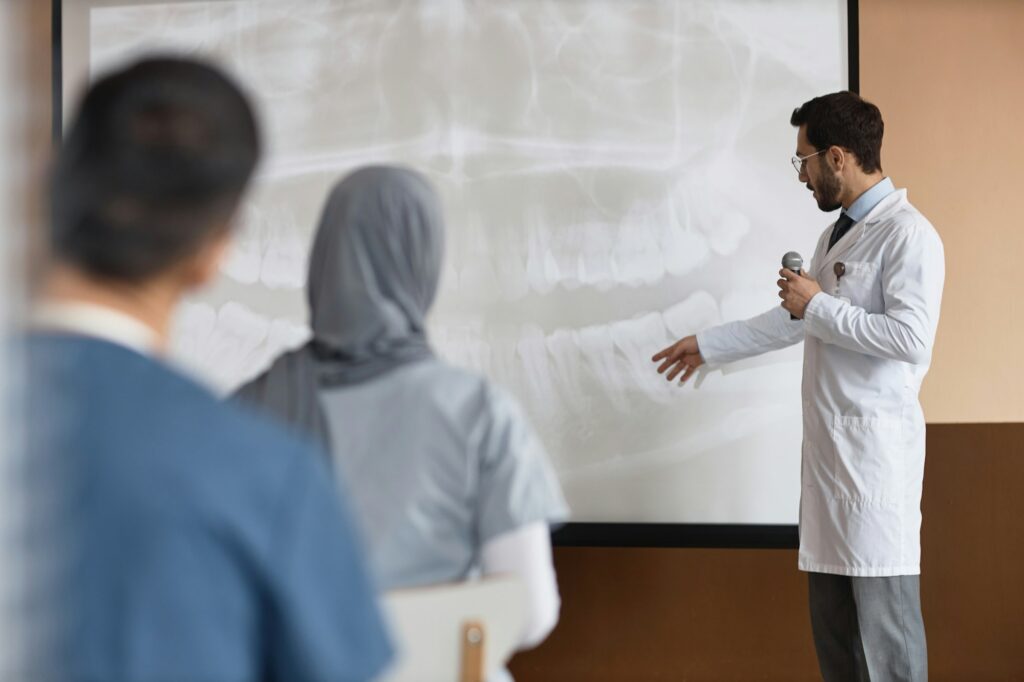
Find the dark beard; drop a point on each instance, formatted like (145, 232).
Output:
(828, 190)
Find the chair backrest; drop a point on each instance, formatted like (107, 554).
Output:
(463, 632)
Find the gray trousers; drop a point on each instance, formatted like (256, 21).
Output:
(868, 628)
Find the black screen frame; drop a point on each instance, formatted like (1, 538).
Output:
(590, 534)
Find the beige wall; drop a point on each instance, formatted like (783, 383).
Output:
(949, 78)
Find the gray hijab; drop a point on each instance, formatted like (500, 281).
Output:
(373, 274)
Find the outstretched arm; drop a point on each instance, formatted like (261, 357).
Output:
(729, 342)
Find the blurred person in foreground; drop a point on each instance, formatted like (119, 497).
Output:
(447, 476)
(190, 540)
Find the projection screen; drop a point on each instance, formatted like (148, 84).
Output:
(615, 175)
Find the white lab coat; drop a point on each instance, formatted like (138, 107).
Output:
(868, 342)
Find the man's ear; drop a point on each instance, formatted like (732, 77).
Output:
(839, 157)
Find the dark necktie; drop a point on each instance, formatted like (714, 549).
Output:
(842, 227)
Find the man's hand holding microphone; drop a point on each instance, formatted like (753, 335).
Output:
(795, 288)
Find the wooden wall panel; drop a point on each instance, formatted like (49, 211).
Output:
(686, 614)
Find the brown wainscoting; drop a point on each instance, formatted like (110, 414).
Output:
(711, 614)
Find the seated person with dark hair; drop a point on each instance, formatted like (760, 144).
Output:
(185, 539)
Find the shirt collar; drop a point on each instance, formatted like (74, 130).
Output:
(96, 321)
(860, 208)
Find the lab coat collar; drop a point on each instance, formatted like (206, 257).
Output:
(858, 229)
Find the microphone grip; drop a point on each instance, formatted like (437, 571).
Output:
(791, 315)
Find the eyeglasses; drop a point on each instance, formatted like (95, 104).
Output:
(799, 162)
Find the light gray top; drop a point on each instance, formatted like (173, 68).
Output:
(438, 461)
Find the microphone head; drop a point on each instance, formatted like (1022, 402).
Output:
(793, 261)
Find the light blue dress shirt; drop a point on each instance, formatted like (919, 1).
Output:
(860, 208)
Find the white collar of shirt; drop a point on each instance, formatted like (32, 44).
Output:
(96, 321)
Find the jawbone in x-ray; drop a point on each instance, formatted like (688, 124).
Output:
(615, 175)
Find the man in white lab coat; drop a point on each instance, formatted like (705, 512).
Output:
(867, 311)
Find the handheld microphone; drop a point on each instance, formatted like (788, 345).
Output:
(793, 261)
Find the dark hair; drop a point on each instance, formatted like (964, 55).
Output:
(154, 165)
(845, 120)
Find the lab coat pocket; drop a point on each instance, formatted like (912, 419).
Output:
(859, 285)
(868, 464)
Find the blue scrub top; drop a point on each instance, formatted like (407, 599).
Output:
(185, 539)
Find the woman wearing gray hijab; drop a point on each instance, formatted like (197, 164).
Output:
(446, 474)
